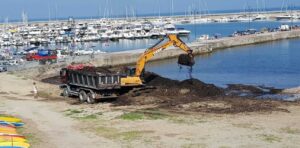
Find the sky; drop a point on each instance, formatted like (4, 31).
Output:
(45, 9)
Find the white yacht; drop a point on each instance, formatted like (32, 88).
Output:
(170, 29)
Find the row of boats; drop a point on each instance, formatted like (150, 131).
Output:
(9, 136)
(23, 34)
(84, 31)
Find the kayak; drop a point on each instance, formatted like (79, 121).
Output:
(2, 123)
(10, 147)
(7, 127)
(12, 139)
(17, 124)
(15, 144)
(10, 119)
(8, 130)
(11, 135)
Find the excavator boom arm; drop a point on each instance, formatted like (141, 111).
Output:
(149, 53)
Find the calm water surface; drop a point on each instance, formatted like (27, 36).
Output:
(274, 64)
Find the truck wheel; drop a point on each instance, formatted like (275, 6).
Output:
(82, 96)
(66, 92)
(91, 98)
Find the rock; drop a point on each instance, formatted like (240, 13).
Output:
(184, 91)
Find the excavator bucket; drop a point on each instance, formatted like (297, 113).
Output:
(186, 60)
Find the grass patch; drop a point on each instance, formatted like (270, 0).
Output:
(154, 114)
(243, 125)
(270, 138)
(80, 114)
(194, 145)
(88, 117)
(131, 135)
(106, 132)
(185, 120)
(247, 126)
(144, 114)
(133, 116)
(70, 112)
(290, 130)
(115, 134)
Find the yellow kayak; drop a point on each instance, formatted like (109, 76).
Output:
(8, 132)
(6, 127)
(10, 119)
(12, 139)
(15, 144)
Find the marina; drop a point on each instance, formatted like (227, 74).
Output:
(55, 33)
(113, 35)
(151, 73)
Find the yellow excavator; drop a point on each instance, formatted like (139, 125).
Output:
(173, 40)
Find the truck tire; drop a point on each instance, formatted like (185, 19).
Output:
(82, 96)
(91, 98)
(66, 92)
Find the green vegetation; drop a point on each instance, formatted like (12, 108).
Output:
(247, 125)
(290, 130)
(156, 115)
(144, 114)
(243, 125)
(70, 112)
(132, 116)
(115, 134)
(270, 138)
(79, 114)
(88, 117)
(106, 132)
(131, 135)
(194, 145)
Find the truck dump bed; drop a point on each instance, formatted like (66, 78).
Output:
(94, 80)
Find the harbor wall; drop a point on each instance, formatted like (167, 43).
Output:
(199, 47)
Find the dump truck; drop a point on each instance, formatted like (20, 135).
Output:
(88, 84)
